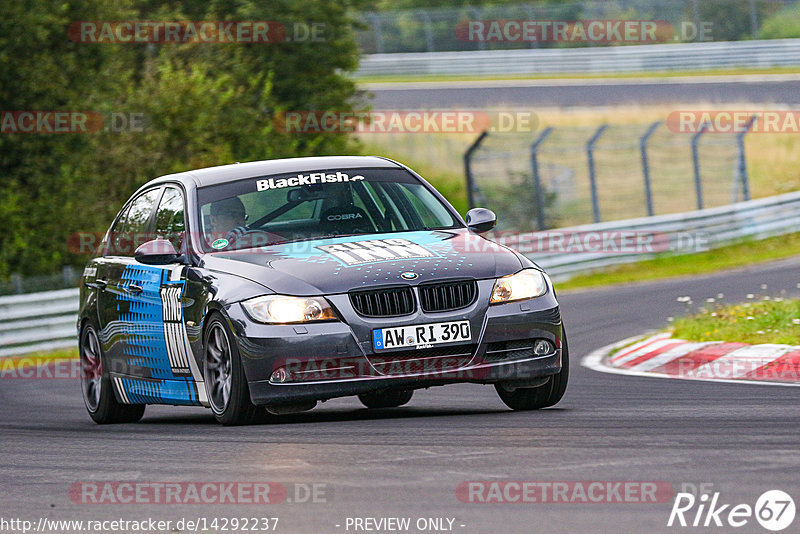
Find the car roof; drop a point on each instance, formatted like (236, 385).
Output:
(236, 171)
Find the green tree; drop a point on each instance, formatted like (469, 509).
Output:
(204, 104)
(41, 69)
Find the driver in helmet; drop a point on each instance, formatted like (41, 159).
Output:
(228, 218)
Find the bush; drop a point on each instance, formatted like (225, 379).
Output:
(783, 25)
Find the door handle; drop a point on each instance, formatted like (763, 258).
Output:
(100, 283)
(134, 289)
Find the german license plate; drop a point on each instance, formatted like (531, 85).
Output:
(421, 335)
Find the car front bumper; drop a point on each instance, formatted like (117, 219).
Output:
(336, 359)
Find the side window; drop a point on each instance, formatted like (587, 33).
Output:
(369, 210)
(131, 230)
(392, 215)
(110, 243)
(431, 213)
(169, 218)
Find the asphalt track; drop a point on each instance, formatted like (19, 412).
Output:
(591, 92)
(407, 462)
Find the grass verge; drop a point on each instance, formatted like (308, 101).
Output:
(757, 321)
(673, 265)
(572, 76)
(39, 358)
(54, 364)
(62, 354)
(773, 159)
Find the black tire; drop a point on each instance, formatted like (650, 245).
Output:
(386, 399)
(544, 396)
(98, 394)
(222, 365)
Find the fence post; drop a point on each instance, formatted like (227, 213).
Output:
(16, 281)
(477, 16)
(698, 183)
(648, 192)
(426, 21)
(376, 28)
(468, 168)
(68, 274)
(696, 16)
(743, 177)
(754, 19)
(592, 177)
(531, 13)
(537, 181)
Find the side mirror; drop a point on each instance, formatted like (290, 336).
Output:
(156, 252)
(481, 220)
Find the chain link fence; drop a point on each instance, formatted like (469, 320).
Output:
(569, 176)
(17, 284)
(443, 29)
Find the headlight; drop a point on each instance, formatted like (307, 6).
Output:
(283, 309)
(526, 284)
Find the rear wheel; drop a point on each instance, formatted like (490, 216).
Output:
(225, 381)
(386, 399)
(98, 395)
(544, 396)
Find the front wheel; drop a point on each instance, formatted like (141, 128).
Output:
(98, 395)
(544, 396)
(386, 399)
(226, 385)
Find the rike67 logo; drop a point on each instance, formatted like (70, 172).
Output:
(774, 510)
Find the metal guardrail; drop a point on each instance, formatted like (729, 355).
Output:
(37, 322)
(613, 59)
(757, 219)
(428, 28)
(46, 321)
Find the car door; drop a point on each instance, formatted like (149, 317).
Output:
(116, 296)
(181, 297)
(158, 366)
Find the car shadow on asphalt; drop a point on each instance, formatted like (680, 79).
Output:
(337, 415)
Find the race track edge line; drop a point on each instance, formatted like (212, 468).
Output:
(594, 361)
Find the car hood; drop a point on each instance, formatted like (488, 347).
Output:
(338, 265)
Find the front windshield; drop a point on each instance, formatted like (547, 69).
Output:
(300, 206)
